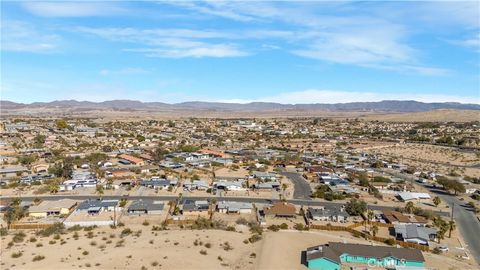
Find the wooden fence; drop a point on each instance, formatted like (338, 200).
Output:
(368, 236)
(30, 226)
(379, 224)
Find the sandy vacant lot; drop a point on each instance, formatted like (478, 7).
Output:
(172, 249)
(177, 249)
(430, 116)
(434, 158)
(282, 250)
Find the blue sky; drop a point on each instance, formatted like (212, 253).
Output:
(287, 52)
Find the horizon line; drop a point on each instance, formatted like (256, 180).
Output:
(238, 102)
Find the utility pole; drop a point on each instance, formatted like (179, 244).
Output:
(453, 207)
(366, 224)
(114, 216)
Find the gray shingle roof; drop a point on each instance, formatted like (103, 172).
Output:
(148, 205)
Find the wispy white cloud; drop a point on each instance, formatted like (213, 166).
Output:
(72, 8)
(124, 71)
(210, 8)
(171, 43)
(196, 51)
(348, 37)
(20, 36)
(472, 42)
(358, 48)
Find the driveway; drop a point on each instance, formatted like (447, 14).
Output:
(302, 188)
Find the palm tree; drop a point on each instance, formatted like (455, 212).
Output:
(54, 187)
(441, 233)
(374, 230)
(16, 201)
(99, 190)
(437, 201)
(409, 207)
(451, 227)
(9, 217)
(370, 215)
(284, 187)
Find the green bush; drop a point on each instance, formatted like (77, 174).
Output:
(38, 258)
(57, 228)
(17, 254)
(18, 237)
(75, 228)
(255, 228)
(254, 238)
(274, 228)
(125, 232)
(300, 227)
(206, 224)
(3, 231)
(390, 241)
(242, 221)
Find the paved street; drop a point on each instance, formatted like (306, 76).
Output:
(466, 221)
(302, 202)
(302, 188)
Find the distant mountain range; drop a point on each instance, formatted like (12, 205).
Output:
(380, 106)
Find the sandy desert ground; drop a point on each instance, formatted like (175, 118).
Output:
(132, 115)
(177, 249)
(430, 116)
(172, 249)
(435, 158)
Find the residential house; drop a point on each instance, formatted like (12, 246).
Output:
(131, 159)
(148, 169)
(337, 182)
(149, 207)
(229, 185)
(52, 208)
(409, 196)
(319, 169)
(119, 173)
(264, 176)
(213, 153)
(80, 178)
(117, 183)
(415, 234)
(93, 207)
(193, 207)
(281, 209)
(196, 157)
(268, 186)
(12, 171)
(228, 207)
(332, 255)
(330, 213)
(196, 184)
(395, 217)
(158, 183)
(171, 165)
(94, 213)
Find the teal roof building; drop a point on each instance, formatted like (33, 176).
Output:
(332, 255)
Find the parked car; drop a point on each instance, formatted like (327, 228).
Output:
(443, 248)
